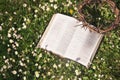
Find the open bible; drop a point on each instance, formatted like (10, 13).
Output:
(65, 36)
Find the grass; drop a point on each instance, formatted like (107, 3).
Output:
(23, 23)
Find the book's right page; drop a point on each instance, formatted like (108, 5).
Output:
(83, 45)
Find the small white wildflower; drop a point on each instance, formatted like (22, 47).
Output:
(39, 67)
(51, 1)
(39, 36)
(14, 72)
(48, 59)
(45, 61)
(35, 16)
(94, 67)
(111, 78)
(67, 64)
(48, 73)
(27, 57)
(6, 61)
(25, 19)
(14, 13)
(43, 8)
(36, 64)
(36, 11)
(16, 44)
(44, 76)
(54, 66)
(4, 57)
(59, 65)
(1, 70)
(29, 9)
(75, 78)
(0, 28)
(13, 46)
(24, 78)
(47, 9)
(15, 23)
(34, 54)
(10, 19)
(3, 42)
(102, 75)
(69, 2)
(28, 61)
(1, 37)
(13, 60)
(24, 5)
(9, 35)
(40, 55)
(95, 75)
(14, 35)
(55, 0)
(20, 62)
(46, 4)
(30, 45)
(37, 74)
(16, 52)
(77, 72)
(33, 43)
(40, 5)
(35, 50)
(28, 21)
(15, 31)
(11, 41)
(20, 70)
(4, 75)
(6, 12)
(110, 67)
(9, 66)
(51, 5)
(4, 67)
(117, 61)
(24, 23)
(99, 75)
(102, 58)
(9, 30)
(19, 29)
(99, 18)
(79, 78)
(34, 0)
(25, 72)
(18, 75)
(24, 26)
(55, 6)
(61, 78)
(75, 8)
(53, 76)
(13, 28)
(10, 59)
(23, 59)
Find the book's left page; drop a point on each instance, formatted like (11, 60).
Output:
(58, 34)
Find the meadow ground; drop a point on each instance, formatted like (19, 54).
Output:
(22, 23)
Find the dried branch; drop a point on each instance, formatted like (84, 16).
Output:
(113, 7)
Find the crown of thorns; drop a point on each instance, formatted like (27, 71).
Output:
(114, 9)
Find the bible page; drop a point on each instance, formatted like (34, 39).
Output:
(58, 34)
(83, 45)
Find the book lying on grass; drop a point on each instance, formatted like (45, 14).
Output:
(65, 36)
